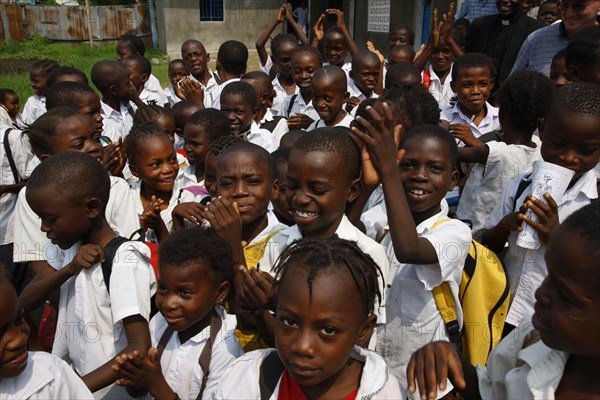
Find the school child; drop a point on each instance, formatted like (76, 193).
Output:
(238, 102)
(140, 70)
(337, 41)
(471, 116)
(67, 74)
(582, 55)
(132, 45)
(267, 63)
(402, 73)
(329, 87)
(364, 78)
(112, 79)
(177, 71)
(69, 191)
(424, 246)
(182, 111)
(288, 140)
(63, 129)
(193, 339)
(265, 93)
(523, 99)
(401, 35)
(400, 53)
(549, 12)
(201, 78)
(554, 352)
(570, 139)
(30, 375)
(9, 103)
(38, 76)
(319, 330)
(298, 109)
(212, 156)
(152, 159)
(232, 59)
(280, 205)
(559, 74)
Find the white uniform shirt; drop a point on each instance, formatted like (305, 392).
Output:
(442, 92)
(187, 177)
(34, 108)
(117, 124)
(31, 244)
(280, 129)
(45, 377)
(153, 86)
(180, 362)
(278, 107)
(346, 121)
(261, 137)
(526, 268)
(148, 97)
(355, 92)
(211, 90)
(487, 182)
(489, 123)
(242, 378)
(413, 319)
(171, 97)
(299, 106)
(89, 327)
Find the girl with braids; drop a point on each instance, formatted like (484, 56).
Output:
(298, 108)
(319, 330)
(38, 76)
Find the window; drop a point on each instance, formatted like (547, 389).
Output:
(211, 10)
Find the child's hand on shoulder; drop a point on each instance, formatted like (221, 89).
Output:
(225, 220)
(87, 256)
(299, 121)
(463, 132)
(139, 372)
(547, 213)
(352, 102)
(190, 211)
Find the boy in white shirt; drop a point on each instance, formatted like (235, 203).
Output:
(141, 70)
(329, 95)
(364, 79)
(177, 71)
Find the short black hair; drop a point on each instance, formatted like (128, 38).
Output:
(578, 98)
(525, 98)
(214, 122)
(402, 73)
(281, 38)
(331, 255)
(4, 92)
(413, 105)
(332, 72)
(584, 47)
(252, 148)
(46, 66)
(71, 94)
(150, 113)
(436, 132)
(281, 156)
(193, 245)
(177, 61)
(135, 43)
(243, 89)
(233, 57)
(183, 110)
(472, 60)
(141, 62)
(585, 221)
(107, 73)
(139, 133)
(221, 143)
(78, 175)
(41, 132)
(411, 32)
(66, 70)
(263, 80)
(337, 140)
(290, 137)
(403, 48)
(362, 57)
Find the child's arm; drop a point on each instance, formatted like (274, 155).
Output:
(13, 188)
(297, 30)
(136, 371)
(138, 339)
(432, 42)
(299, 121)
(463, 132)
(318, 31)
(262, 39)
(496, 237)
(151, 219)
(436, 362)
(478, 154)
(352, 47)
(379, 87)
(446, 32)
(370, 180)
(381, 138)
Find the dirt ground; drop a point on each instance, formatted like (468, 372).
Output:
(14, 65)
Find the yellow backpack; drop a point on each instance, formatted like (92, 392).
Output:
(484, 298)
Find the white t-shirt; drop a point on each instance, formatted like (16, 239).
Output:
(117, 124)
(490, 122)
(153, 86)
(261, 137)
(346, 121)
(34, 108)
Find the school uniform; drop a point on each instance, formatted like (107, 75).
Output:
(261, 137)
(356, 92)
(187, 177)
(442, 92)
(242, 378)
(152, 98)
(5, 120)
(280, 129)
(296, 104)
(216, 103)
(117, 123)
(90, 328)
(211, 90)
(31, 244)
(278, 107)
(34, 108)
(153, 86)
(45, 377)
(171, 97)
(413, 318)
(375, 220)
(266, 68)
(346, 121)
(490, 122)
(526, 268)
(180, 361)
(487, 181)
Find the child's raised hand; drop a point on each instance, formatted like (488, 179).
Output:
(352, 102)
(281, 14)
(447, 23)
(178, 89)
(256, 289)
(225, 219)
(150, 218)
(431, 366)
(318, 29)
(547, 213)
(434, 34)
(191, 211)
(299, 121)
(339, 14)
(288, 11)
(192, 90)
(369, 176)
(87, 256)
(463, 132)
(371, 47)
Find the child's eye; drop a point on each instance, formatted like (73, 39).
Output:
(254, 181)
(185, 292)
(161, 289)
(287, 322)
(588, 151)
(328, 331)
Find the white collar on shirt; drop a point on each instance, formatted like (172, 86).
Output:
(345, 230)
(489, 115)
(272, 225)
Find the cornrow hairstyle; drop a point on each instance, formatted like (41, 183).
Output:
(472, 60)
(233, 57)
(47, 67)
(243, 89)
(436, 132)
(5, 92)
(150, 113)
(412, 105)
(402, 73)
(585, 221)
(135, 43)
(215, 122)
(337, 140)
(578, 98)
(139, 133)
(525, 97)
(78, 175)
(141, 63)
(193, 246)
(41, 132)
(64, 71)
(221, 143)
(71, 94)
(584, 47)
(281, 38)
(325, 256)
(310, 50)
(263, 155)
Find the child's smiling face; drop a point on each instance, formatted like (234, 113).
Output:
(473, 88)
(304, 65)
(195, 58)
(76, 133)
(567, 302)
(238, 111)
(283, 58)
(39, 81)
(197, 142)
(328, 99)
(14, 332)
(334, 48)
(12, 104)
(156, 163)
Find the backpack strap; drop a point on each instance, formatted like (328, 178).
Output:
(11, 161)
(162, 343)
(524, 184)
(291, 105)
(270, 372)
(110, 250)
(205, 356)
(271, 125)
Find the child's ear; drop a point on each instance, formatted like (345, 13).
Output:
(453, 179)
(94, 207)
(366, 332)
(540, 125)
(113, 90)
(254, 111)
(144, 78)
(275, 189)
(207, 57)
(133, 170)
(351, 74)
(453, 86)
(42, 156)
(346, 96)
(222, 292)
(355, 189)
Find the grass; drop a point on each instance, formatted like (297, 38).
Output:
(80, 56)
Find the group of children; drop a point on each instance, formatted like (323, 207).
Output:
(343, 175)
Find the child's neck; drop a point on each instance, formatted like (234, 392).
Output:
(245, 132)
(112, 102)
(477, 116)
(100, 234)
(513, 136)
(337, 119)
(260, 114)
(324, 233)
(580, 379)
(366, 93)
(199, 171)
(204, 78)
(251, 230)
(442, 75)
(306, 96)
(338, 386)
(287, 82)
(196, 328)
(147, 193)
(419, 217)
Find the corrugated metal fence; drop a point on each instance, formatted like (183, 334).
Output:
(69, 23)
